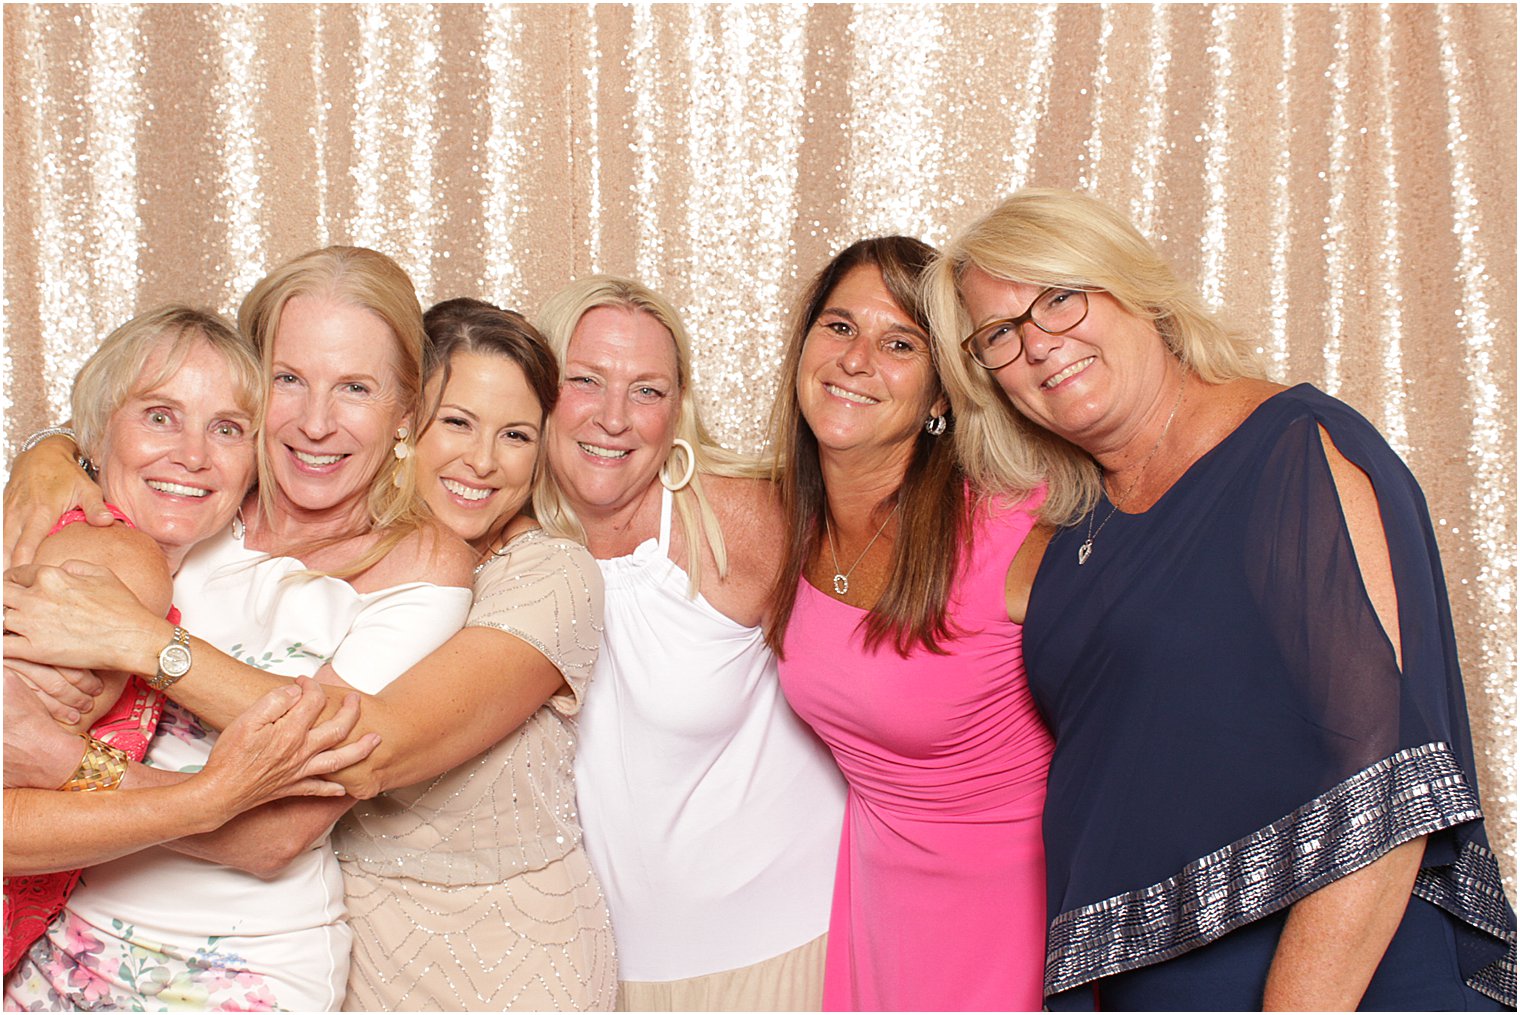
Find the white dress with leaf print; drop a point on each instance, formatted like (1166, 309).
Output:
(158, 931)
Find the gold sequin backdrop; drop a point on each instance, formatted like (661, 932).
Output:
(1342, 178)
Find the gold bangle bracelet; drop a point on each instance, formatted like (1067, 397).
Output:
(102, 767)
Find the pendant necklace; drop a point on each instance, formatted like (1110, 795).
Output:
(1085, 550)
(842, 578)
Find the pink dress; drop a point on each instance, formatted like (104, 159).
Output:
(939, 898)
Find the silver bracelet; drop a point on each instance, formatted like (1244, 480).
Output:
(43, 434)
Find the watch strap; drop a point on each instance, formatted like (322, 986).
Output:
(162, 680)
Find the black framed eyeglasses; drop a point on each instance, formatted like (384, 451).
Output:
(1054, 311)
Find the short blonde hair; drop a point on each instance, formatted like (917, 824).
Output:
(699, 524)
(1046, 237)
(367, 279)
(114, 372)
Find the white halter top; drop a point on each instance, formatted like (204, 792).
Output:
(711, 812)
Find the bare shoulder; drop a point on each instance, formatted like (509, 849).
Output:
(430, 554)
(1223, 407)
(1352, 485)
(99, 545)
(749, 511)
(1022, 569)
(1364, 523)
(128, 553)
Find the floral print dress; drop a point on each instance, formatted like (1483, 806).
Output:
(159, 931)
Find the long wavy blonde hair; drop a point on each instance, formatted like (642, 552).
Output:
(1045, 237)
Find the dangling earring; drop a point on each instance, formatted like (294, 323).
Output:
(934, 426)
(402, 448)
(691, 467)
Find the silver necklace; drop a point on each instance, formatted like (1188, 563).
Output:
(842, 578)
(1085, 550)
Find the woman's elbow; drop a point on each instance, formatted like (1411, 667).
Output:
(267, 852)
(274, 856)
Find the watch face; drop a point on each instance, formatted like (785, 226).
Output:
(174, 660)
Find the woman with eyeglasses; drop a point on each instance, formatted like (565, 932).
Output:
(1263, 792)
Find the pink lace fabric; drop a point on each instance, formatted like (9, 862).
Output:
(33, 900)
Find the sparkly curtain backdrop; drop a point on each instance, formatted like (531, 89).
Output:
(1341, 178)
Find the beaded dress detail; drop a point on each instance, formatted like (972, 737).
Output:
(472, 891)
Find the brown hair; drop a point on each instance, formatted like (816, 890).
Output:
(933, 527)
(367, 279)
(464, 324)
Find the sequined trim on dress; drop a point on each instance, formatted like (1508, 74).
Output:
(1412, 793)
(1472, 890)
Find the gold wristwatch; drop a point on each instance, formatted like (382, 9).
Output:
(173, 661)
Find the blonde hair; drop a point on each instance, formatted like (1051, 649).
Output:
(699, 524)
(114, 372)
(1046, 237)
(366, 279)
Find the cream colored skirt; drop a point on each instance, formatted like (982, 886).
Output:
(792, 981)
(539, 941)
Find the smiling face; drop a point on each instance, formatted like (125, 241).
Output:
(334, 407)
(475, 462)
(618, 405)
(178, 458)
(1090, 385)
(865, 382)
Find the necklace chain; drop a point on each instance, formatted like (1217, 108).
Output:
(1085, 550)
(842, 578)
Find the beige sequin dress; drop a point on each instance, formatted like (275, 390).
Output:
(472, 891)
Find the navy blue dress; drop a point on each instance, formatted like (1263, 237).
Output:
(1233, 732)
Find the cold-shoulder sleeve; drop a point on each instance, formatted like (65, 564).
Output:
(548, 592)
(1233, 728)
(1394, 744)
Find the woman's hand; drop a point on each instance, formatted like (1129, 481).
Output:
(44, 483)
(277, 748)
(79, 615)
(39, 753)
(66, 692)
